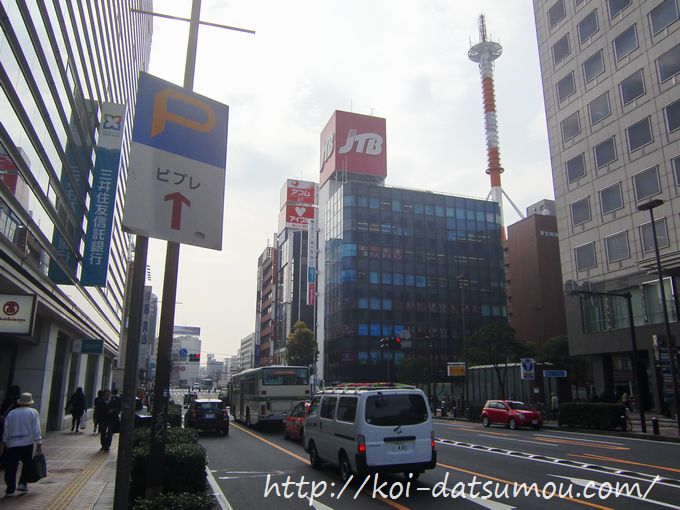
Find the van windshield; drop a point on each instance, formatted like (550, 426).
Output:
(391, 410)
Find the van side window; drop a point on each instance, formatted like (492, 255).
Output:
(327, 407)
(314, 406)
(347, 409)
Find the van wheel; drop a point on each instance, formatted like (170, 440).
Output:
(411, 476)
(314, 459)
(512, 424)
(486, 422)
(248, 424)
(345, 468)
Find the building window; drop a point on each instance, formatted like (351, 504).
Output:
(647, 235)
(617, 247)
(585, 257)
(576, 168)
(599, 108)
(675, 163)
(605, 152)
(632, 87)
(669, 64)
(663, 15)
(571, 126)
(580, 211)
(556, 13)
(672, 114)
(647, 183)
(625, 43)
(639, 134)
(566, 87)
(616, 6)
(593, 67)
(587, 27)
(561, 49)
(611, 198)
(578, 2)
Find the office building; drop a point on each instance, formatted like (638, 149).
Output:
(265, 309)
(610, 71)
(246, 353)
(185, 356)
(69, 74)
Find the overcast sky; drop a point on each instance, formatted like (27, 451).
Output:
(402, 60)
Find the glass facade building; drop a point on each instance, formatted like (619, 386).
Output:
(61, 64)
(394, 260)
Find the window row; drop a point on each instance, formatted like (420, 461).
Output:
(617, 246)
(419, 208)
(646, 184)
(558, 11)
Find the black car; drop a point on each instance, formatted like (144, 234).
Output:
(207, 414)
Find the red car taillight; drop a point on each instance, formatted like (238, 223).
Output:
(361, 444)
(432, 437)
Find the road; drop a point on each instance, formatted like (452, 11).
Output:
(472, 461)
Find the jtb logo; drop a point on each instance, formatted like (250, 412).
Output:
(367, 143)
(161, 114)
(327, 149)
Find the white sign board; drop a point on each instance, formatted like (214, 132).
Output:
(17, 313)
(178, 156)
(527, 367)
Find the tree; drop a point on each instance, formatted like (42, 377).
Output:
(412, 371)
(495, 344)
(301, 348)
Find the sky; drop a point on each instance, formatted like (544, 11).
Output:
(401, 60)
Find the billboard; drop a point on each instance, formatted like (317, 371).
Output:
(298, 192)
(298, 216)
(17, 313)
(353, 143)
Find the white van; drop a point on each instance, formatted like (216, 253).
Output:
(368, 428)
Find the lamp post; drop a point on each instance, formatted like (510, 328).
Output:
(461, 280)
(650, 206)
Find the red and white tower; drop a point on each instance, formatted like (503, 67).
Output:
(484, 53)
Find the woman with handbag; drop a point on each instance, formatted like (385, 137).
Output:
(76, 406)
(22, 429)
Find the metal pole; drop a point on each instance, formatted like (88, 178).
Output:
(155, 472)
(462, 335)
(669, 339)
(127, 418)
(636, 366)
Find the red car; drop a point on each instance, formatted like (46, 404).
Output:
(294, 424)
(510, 413)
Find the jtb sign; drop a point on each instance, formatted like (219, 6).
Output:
(178, 158)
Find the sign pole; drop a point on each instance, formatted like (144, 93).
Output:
(154, 475)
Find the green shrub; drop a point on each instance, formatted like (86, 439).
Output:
(588, 415)
(175, 501)
(174, 415)
(175, 435)
(184, 469)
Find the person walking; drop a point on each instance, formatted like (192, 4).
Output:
(97, 409)
(109, 418)
(76, 406)
(554, 405)
(22, 429)
(9, 403)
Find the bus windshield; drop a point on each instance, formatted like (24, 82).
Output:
(285, 376)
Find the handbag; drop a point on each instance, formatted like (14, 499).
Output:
(83, 421)
(36, 469)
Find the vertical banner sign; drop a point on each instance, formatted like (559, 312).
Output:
(311, 262)
(178, 158)
(527, 367)
(103, 196)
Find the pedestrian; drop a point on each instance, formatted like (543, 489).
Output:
(554, 405)
(109, 418)
(9, 403)
(97, 407)
(76, 406)
(22, 429)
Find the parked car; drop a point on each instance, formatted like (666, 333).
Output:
(294, 423)
(207, 414)
(510, 413)
(371, 428)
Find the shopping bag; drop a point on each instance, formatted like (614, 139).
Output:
(83, 421)
(36, 469)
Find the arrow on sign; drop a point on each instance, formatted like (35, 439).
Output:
(177, 200)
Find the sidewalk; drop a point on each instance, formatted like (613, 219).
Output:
(79, 475)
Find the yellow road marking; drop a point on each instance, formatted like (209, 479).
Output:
(582, 443)
(496, 433)
(614, 459)
(389, 502)
(573, 500)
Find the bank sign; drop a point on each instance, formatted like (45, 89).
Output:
(353, 143)
(175, 188)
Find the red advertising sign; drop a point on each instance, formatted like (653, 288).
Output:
(300, 192)
(353, 143)
(297, 216)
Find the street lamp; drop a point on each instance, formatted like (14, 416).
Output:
(650, 206)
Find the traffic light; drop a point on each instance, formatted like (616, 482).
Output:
(384, 343)
(194, 358)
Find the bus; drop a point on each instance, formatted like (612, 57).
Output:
(265, 394)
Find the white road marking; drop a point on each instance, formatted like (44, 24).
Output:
(217, 492)
(320, 506)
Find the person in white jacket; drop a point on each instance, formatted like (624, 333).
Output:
(22, 429)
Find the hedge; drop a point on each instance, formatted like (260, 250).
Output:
(184, 469)
(175, 435)
(176, 501)
(174, 415)
(591, 415)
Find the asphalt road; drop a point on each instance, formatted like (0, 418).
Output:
(472, 460)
